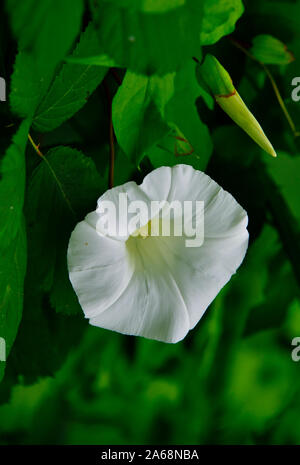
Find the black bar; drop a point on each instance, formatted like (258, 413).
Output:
(94, 455)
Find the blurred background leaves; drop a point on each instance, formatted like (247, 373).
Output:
(232, 380)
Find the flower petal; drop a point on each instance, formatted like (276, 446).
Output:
(98, 267)
(200, 273)
(152, 305)
(130, 192)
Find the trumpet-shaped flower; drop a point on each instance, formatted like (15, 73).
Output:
(135, 279)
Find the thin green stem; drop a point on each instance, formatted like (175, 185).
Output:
(111, 138)
(274, 86)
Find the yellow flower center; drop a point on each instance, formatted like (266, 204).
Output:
(152, 228)
(144, 231)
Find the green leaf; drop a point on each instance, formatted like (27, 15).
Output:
(45, 31)
(253, 291)
(270, 50)
(12, 185)
(62, 295)
(27, 86)
(249, 287)
(33, 23)
(145, 109)
(96, 60)
(150, 6)
(138, 109)
(72, 188)
(72, 86)
(61, 190)
(181, 114)
(43, 342)
(174, 149)
(270, 313)
(285, 172)
(281, 184)
(13, 266)
(147, 42)
(265, 265)
(219, 19)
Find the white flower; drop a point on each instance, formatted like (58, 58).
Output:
(155, 286)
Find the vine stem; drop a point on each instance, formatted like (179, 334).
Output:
(273, 83)
(111, 139)
(112, 153)
(36, 147)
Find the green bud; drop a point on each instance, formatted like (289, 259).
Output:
(215, 77)
(217, 80)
